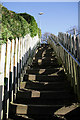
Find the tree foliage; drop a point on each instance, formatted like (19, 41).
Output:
(17, 25)
(32, 24)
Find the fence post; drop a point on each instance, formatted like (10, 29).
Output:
(15, 68)
(78, 83)
(79, 47)
(6, 80)
(73, 45)
(77, 44)
(66, 40)
(74, 37)
(75, 77)
(26, 52)
(23, 53)
(11, 70)
(18, 65)
(21, 60)
(70, 43)
(2, 65)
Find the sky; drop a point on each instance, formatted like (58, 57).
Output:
(40, 0)
(57, 17)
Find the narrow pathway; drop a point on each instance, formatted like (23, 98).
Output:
(45, 91)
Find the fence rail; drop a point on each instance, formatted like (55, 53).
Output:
(14, 55)
(71, 43)
(66, 47)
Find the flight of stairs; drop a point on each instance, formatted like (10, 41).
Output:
(44, 90)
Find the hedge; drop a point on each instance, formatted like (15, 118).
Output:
(17, 25)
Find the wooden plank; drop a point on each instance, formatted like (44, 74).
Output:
(66, 109)
(18, 64)
(15, 68)
(77, 46)
(75, 77)
(21, 52)
(24, 51)
(68, 63)
(7, 68)
(78, 83)
(11, 70)
(73, 46)
(2, 65)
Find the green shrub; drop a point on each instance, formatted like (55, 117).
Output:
(33, 27)
(17, 25)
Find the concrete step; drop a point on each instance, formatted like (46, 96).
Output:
(45, 78)
(45, 65)
(50, 57)
(42, 101)
(22, 109)
(44, 71)
(56, 86)
(74, 114)
(19, 117)
(44, 90)
(46, 62)
(70, 112)
(56, 95)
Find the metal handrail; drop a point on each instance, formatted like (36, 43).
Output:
(68, 52)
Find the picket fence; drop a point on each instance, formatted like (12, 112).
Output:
(67, 48)
(14, 56)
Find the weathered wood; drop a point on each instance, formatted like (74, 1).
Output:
(7, 67)
(77, 45)
(2, 65)
(15, 69)
(79, 48)
(13, 56)
(78, 82)
(11, 70)
(69, 60)
(18, 65)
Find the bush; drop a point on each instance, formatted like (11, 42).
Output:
(33, 27)
(17, 25)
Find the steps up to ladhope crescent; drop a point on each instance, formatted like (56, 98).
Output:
(45, 93)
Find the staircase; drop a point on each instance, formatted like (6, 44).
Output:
(44, 90)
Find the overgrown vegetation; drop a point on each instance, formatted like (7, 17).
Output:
(32, 24)
(17, 25)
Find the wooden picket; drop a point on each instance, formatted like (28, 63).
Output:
(11, 70)
(68, 49)
(2, 65)
(6, 80)
(13, 58)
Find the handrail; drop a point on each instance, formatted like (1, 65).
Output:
(69, 53)
(70, 63)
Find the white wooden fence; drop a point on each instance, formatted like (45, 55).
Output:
(71, 43)
(67, 48)
(14, 55)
